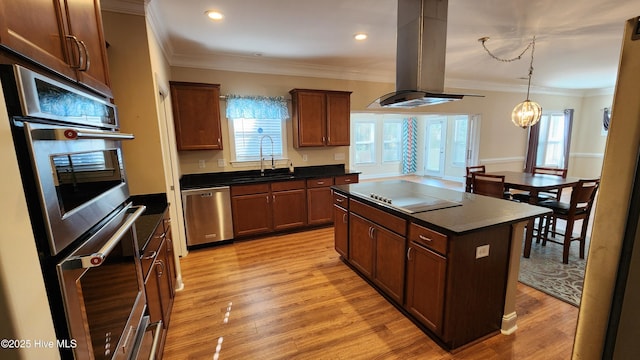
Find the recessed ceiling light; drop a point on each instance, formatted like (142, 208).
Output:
(360, 36)
(214, 14)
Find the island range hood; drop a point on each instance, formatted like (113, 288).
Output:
(420, 56)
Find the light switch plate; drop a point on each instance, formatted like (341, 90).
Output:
(304, 157)
(201, 164)
(338, 156)
(482, 251)
(221, 163)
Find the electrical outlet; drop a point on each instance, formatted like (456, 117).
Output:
(305, 157)
(221, 163)
(482, 251)
(201, 164)
(338, 156)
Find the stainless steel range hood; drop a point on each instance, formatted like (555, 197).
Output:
(420, 56)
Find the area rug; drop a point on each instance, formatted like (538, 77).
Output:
(544, 270)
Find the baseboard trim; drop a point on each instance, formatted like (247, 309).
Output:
(509, 325)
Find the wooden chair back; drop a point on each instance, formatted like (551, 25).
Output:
(583, 195)
(476, 168)
(550, 171)
(487, 184)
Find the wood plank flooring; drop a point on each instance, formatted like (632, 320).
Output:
(291, 297)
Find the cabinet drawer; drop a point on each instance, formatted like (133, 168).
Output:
(152, 249)
(346, 179)
(287, 185)
(322, 182)
(249, 189)
(429, 238)
(380, 217)
(340, 200)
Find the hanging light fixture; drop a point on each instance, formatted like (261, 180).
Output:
(526, 113)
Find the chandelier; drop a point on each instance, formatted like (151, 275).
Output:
(526, 113)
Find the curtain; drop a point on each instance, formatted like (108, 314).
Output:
(256, 107)
(409, 145)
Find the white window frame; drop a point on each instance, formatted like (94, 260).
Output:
(266, 146)
(399, 141)
(372, 142)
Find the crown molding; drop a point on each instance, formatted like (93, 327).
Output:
(131, 7)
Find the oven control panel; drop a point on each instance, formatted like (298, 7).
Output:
(381, 198)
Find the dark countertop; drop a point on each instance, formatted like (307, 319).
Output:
(227, 178)
(475, 211)
(146, 224)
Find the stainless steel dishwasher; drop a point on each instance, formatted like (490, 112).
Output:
(207, 215)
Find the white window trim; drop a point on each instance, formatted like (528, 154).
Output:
(280, 161)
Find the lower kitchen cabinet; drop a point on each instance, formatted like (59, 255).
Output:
(341, 224)
(263, 208)
(159, 277)
(320, 201)
(289, 203)
(426, 271)
(251, 212)
(378, 253)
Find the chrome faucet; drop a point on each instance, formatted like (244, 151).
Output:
(273, 164)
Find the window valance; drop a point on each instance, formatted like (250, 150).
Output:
(256, 107)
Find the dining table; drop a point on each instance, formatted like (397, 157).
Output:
(534, 185)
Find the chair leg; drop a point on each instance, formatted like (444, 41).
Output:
(583, 236)
(567, 241)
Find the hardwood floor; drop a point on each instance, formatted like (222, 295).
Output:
(291, 297)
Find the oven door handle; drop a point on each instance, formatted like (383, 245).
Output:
(98, 257)
(67, 133)
(97, 134)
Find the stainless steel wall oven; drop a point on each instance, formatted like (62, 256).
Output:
(70, 157)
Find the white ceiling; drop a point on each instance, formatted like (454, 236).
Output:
(577, 41)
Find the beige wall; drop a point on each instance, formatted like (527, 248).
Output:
(502, 145)
(132, 81)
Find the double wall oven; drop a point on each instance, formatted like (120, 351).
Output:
(69, 151)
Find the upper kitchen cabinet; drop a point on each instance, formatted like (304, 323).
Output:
(320, 117)
(196, 114)
(65, 36)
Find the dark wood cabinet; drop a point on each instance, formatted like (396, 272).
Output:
(65, 36)
(346, 179)
(321, 117)
(377, 251)
(252, 212)
(159, 276)
(289, 203)
(426, 271)
(320, 201)
(196, 115)
(341, 224)
(361, 246)
(268, 207)
(389, 262)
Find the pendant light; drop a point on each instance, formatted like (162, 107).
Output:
(526, 113)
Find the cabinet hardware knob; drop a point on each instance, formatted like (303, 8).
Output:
(344, 218)
(150, 256)
(87, 59)
(79, 49)
(340, 200)
(320, 182)
(409, 253)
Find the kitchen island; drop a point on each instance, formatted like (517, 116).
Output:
(449, 260)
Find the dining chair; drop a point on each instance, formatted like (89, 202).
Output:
(470, 170)
(488, 184)
(545, 195)
(579, 208)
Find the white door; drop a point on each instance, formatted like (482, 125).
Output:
(436, 135)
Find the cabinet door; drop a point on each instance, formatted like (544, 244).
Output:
(309, 118)
(196, 114)
(320, 206)
(425, 286)
(389, 264)
(34, 29)
(85, 23)
(361, 245)
(289, 209)
(338, 118)
(251, 214)
(341, 230)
